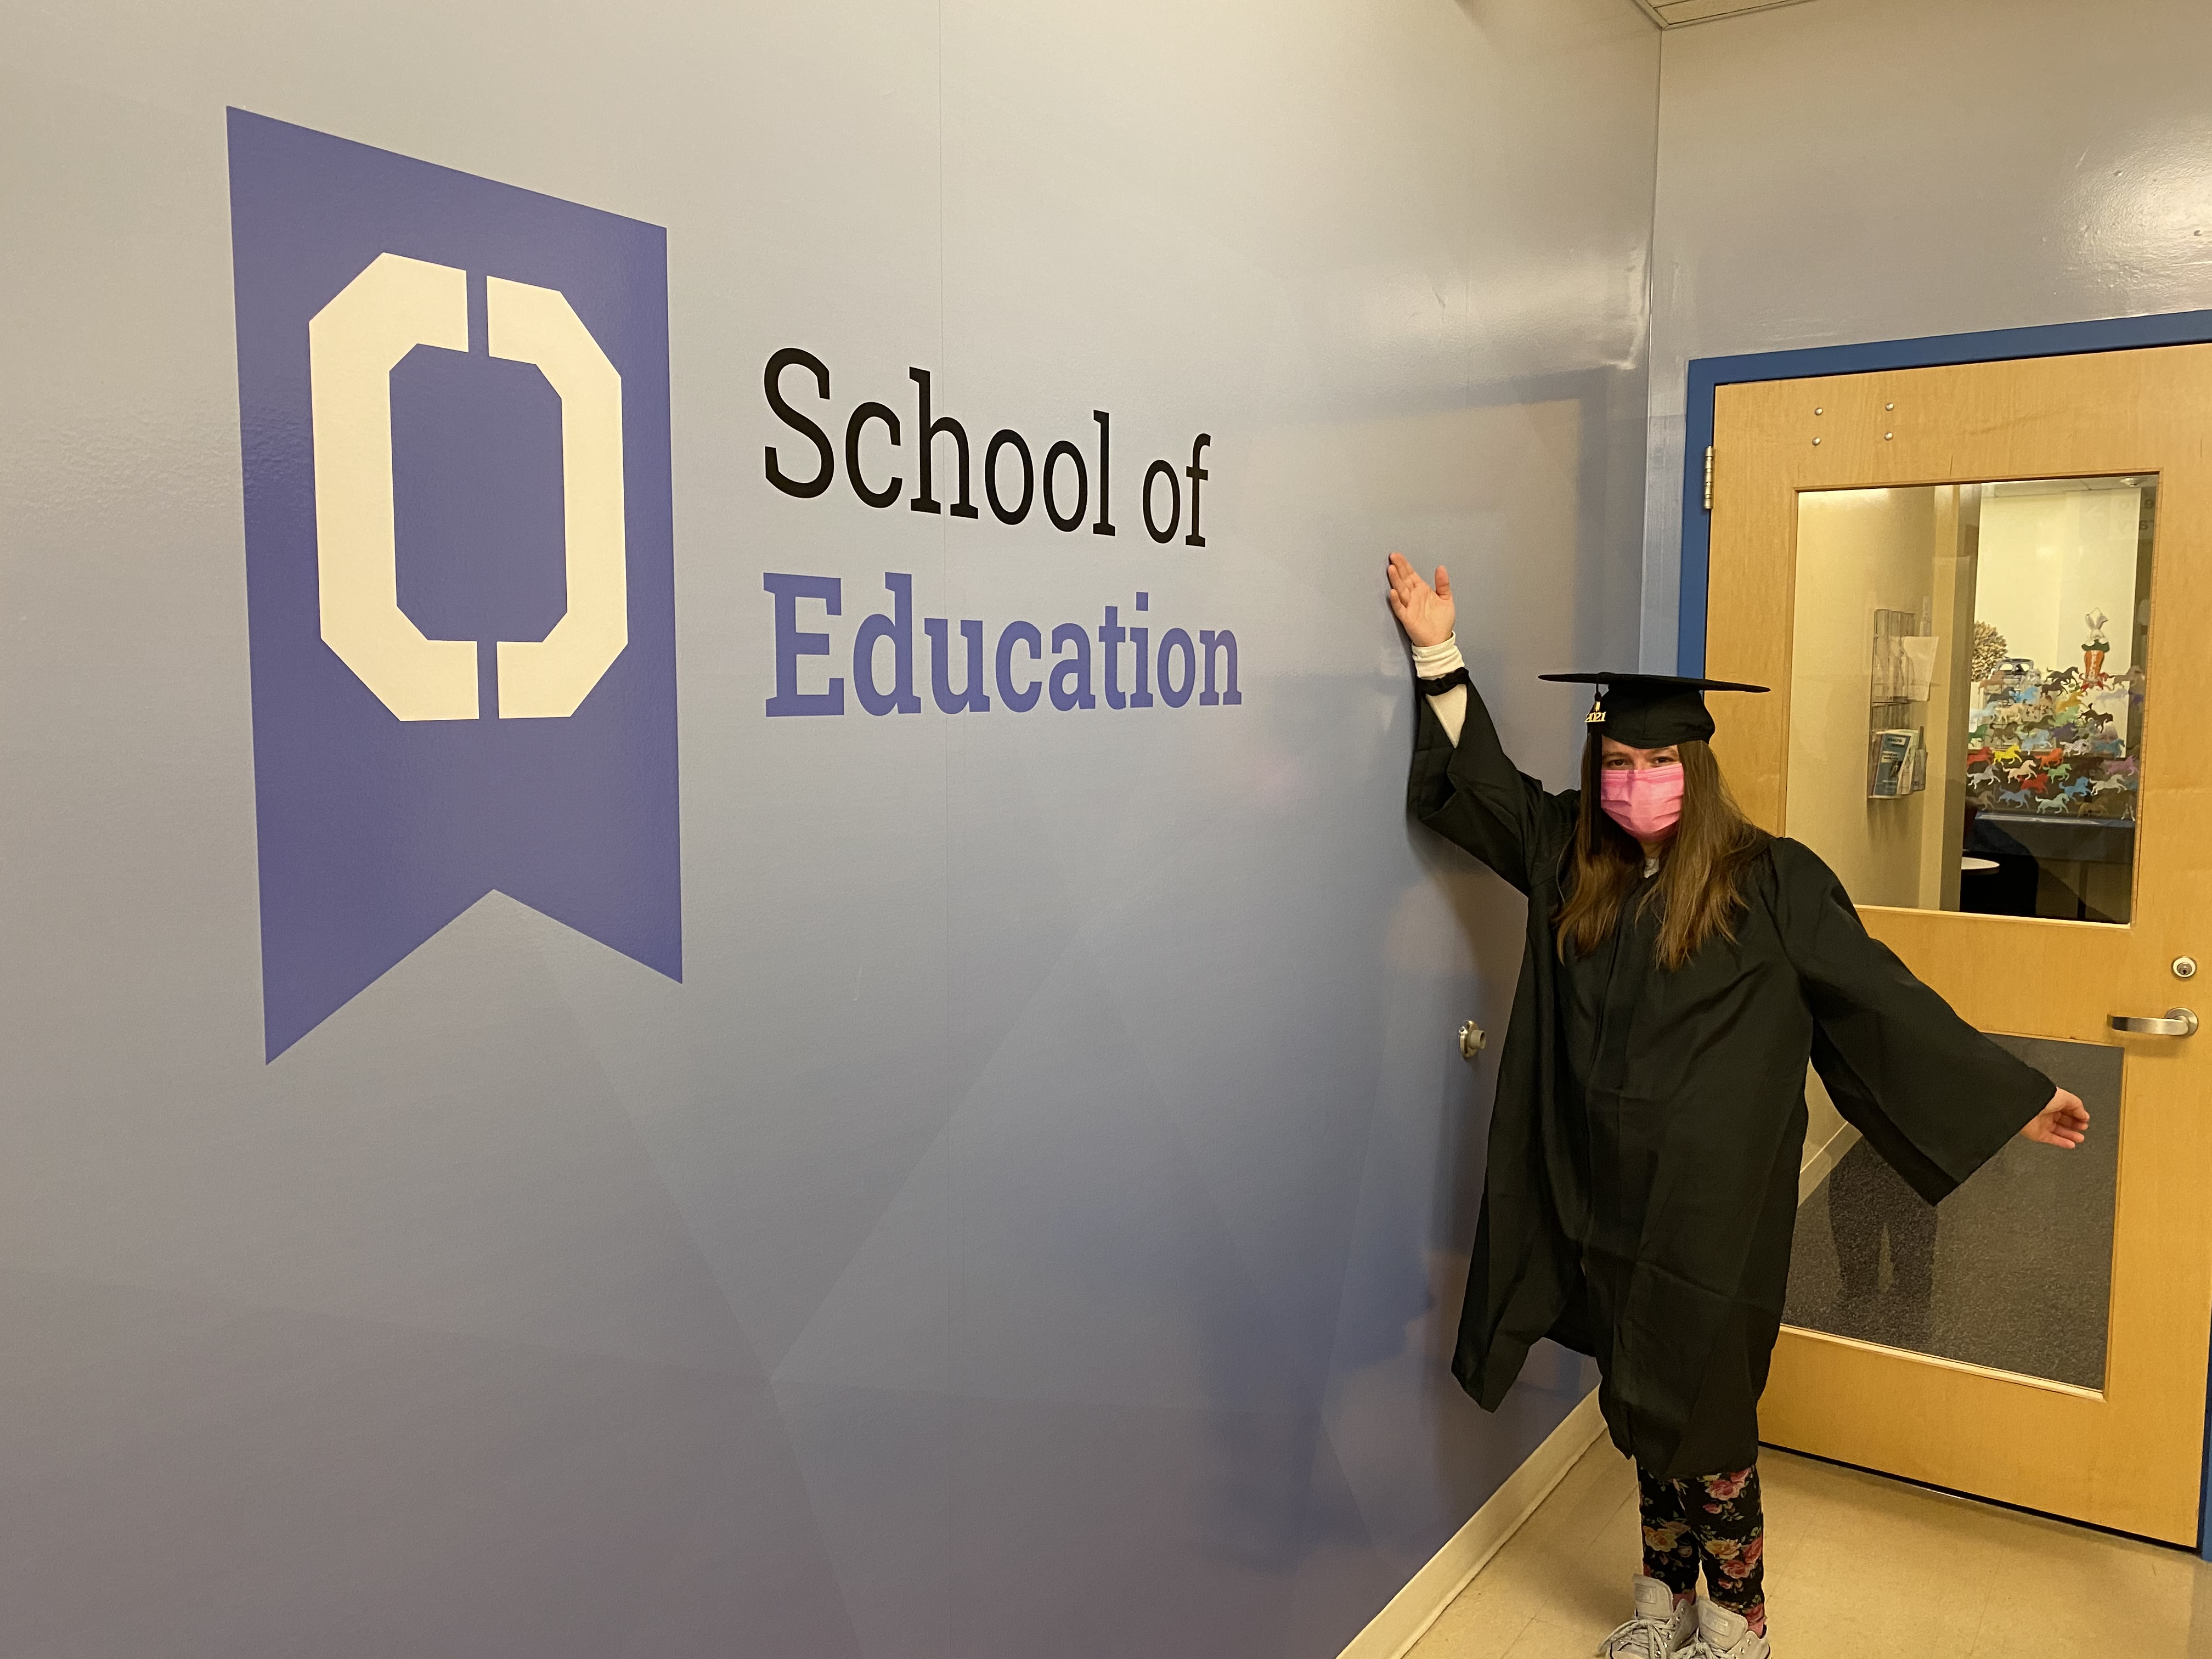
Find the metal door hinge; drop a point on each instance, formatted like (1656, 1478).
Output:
(1709, 477)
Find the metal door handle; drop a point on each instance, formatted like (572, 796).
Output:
(1473, 1039)
(2178, 1022)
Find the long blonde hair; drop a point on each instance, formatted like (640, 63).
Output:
(1700, 885)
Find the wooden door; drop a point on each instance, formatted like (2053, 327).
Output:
(2117, 1442)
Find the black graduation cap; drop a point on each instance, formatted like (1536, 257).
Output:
(1651, 711)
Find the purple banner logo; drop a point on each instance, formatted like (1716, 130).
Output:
(453, 400)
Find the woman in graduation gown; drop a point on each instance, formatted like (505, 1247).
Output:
(1682, 967)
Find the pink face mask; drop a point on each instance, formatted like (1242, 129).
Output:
(1646, 801)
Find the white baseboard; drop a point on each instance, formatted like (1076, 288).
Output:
(1394, 1630)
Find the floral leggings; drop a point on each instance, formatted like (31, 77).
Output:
(1713, 1517)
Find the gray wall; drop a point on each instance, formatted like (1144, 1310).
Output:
(1853, 170)
(1035, 1223)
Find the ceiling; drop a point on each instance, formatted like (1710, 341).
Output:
(1676, 14)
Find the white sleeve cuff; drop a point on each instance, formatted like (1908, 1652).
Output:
(1432, 661)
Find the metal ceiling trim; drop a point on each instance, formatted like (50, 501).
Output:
(1656, 10)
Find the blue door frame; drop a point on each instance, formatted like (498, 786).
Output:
(1996, 345)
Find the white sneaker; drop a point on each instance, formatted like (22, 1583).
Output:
(1660, 1629)
(1725, 1635)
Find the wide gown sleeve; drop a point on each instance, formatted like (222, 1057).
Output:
(1936, 1097)
(1472, 793)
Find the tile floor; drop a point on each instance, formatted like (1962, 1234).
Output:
(1861, 1568)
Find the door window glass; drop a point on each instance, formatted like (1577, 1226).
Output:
(2014, 1271)
(1968, 677)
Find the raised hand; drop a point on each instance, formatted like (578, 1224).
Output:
(2064, 1122)
(1425, 612)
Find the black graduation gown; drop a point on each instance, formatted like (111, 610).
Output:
(1644, 1148)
